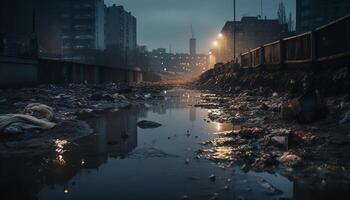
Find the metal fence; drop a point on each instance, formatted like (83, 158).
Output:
(329, 42)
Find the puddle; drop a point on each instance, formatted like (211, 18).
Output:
(122, 161)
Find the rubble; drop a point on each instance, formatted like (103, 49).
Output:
(148, 124)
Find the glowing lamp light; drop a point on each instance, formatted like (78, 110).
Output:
(220, 35)
(215, 43)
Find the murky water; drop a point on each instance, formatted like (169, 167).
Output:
(122, 161)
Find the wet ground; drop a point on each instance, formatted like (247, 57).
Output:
(122, 161)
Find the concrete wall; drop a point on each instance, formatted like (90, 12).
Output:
(16, 71)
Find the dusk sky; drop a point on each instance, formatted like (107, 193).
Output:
(164, 22)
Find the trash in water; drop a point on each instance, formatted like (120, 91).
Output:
(148, 124)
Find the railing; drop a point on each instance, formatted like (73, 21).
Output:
(298, 48)
(325, 43)
(272, 53)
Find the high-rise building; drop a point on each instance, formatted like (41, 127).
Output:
(121, 32)
(313, 13)
(82, 29)
(193, 46)
(251, 32)
(193, 43)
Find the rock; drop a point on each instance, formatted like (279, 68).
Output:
(346, 118)
(212, 177)
(148, 124)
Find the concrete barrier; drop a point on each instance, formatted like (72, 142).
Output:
(17, 71)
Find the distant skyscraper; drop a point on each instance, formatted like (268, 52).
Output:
(193, 47)
(193, 44)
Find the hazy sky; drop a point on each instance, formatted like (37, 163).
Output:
(164, 22)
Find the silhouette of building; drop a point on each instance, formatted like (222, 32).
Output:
(82, 29)
(121, 32)
(65, 29)
(251, 32)
(313, 13)
(193, 50)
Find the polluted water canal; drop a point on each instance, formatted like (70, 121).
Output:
(121, 160)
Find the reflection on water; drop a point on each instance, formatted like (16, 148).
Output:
(121, 161)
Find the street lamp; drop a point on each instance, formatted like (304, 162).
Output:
(220, 35)
(215, 43)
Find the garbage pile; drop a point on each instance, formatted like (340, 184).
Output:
(258, 149)
(278, 130)
(33, 118)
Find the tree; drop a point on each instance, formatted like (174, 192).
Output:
(281, 13)
(290, 22)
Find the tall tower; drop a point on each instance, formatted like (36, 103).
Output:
(193, 44)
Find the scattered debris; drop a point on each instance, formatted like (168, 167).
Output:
(346, 118)
(290, 159)
(212, 177)
(148, 124)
